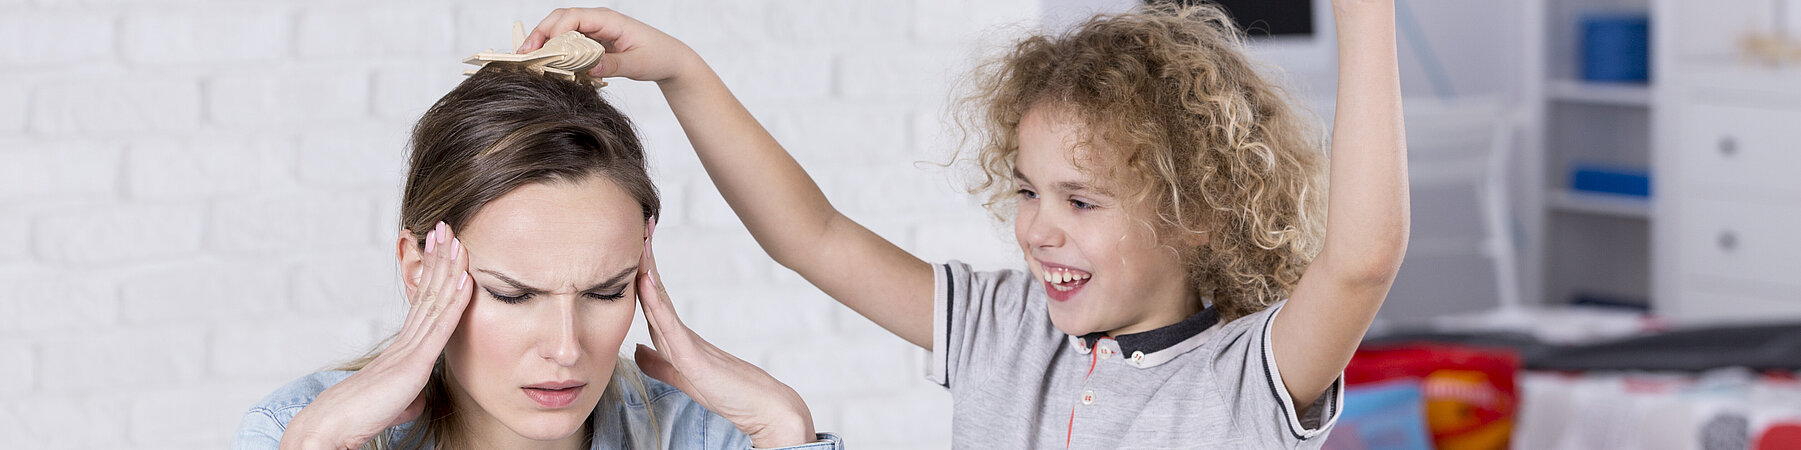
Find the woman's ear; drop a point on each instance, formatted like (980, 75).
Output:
(412, 261)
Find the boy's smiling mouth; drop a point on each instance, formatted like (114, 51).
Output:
(1062, 282)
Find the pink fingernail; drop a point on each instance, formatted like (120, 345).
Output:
(462, 280)
(456, 247)
(431, 241)
(442, 227)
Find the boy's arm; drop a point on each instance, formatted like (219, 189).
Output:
(778, 202)
(1367, 213)
(789, 216)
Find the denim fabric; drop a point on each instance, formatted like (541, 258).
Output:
(678, 420)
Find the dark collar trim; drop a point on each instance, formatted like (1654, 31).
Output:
(1156, 340)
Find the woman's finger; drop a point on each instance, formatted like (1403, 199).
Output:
(431, 290)
(653, 364)
(659, 314)
(651, 321)
(455, 289)
(434, 319)
(420, 295)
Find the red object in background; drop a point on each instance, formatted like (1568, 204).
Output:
(1470, 393)
(1779, 436)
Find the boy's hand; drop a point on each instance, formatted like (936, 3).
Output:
(634, 50)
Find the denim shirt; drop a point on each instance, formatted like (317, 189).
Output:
(681, 423)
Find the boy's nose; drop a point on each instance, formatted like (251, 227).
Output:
(1042, 230)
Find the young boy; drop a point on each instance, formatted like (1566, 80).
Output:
(1168, 204)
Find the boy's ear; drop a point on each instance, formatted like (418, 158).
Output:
(412, 262)
(1196, 240)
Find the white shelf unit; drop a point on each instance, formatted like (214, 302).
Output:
(1582, 244)
(1728, 195)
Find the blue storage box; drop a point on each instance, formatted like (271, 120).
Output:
(1611, 180)
(1616, 47)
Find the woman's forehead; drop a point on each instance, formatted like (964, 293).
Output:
(566, 230)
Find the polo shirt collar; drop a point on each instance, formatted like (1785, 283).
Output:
(1153, 341)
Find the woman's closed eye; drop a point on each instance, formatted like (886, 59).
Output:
(605, 296)
(512, 299)
(521, 298)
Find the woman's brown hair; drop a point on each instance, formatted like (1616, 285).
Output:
(502, 128)
(1188, 126)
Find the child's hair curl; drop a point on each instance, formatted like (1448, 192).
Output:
(1187, 125)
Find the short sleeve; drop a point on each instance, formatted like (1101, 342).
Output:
(975, 312)
(1249, 361)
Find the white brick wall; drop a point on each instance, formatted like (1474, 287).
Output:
(197, 197)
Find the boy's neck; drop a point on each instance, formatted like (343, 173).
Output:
(1176, 312)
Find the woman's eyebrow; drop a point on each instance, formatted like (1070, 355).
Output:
(615, 281)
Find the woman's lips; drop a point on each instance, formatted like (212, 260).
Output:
(553, 396)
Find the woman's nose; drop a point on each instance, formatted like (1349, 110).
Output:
(563, 347)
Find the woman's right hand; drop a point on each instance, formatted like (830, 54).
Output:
(389, 390)
(634, 50)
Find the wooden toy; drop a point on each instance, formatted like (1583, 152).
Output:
(569, 56)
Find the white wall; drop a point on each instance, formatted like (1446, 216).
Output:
(198, 198)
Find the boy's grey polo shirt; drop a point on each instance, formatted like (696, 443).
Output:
(1017, 382)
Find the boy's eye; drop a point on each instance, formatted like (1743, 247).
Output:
(1078, 204)
(509, 299)
(1027, 193)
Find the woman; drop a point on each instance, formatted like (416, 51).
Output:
(525, 241)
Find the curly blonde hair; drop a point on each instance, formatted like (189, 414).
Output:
(1188, 126)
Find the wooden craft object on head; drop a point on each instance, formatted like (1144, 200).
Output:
(569, 56)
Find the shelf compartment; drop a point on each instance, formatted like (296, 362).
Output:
(1613, 94)
(1602, 204)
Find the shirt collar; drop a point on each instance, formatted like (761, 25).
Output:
(1152, 341)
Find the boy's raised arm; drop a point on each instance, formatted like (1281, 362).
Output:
(1367, 212)
(782, 207)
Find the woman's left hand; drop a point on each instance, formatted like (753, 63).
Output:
(771, 413)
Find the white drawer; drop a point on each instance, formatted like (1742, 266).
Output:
(1700, 306)
(1751, 241)
(1755, 149)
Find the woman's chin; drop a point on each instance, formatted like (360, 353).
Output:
(550, 426)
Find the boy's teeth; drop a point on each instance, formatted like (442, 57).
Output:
(1060, 276)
